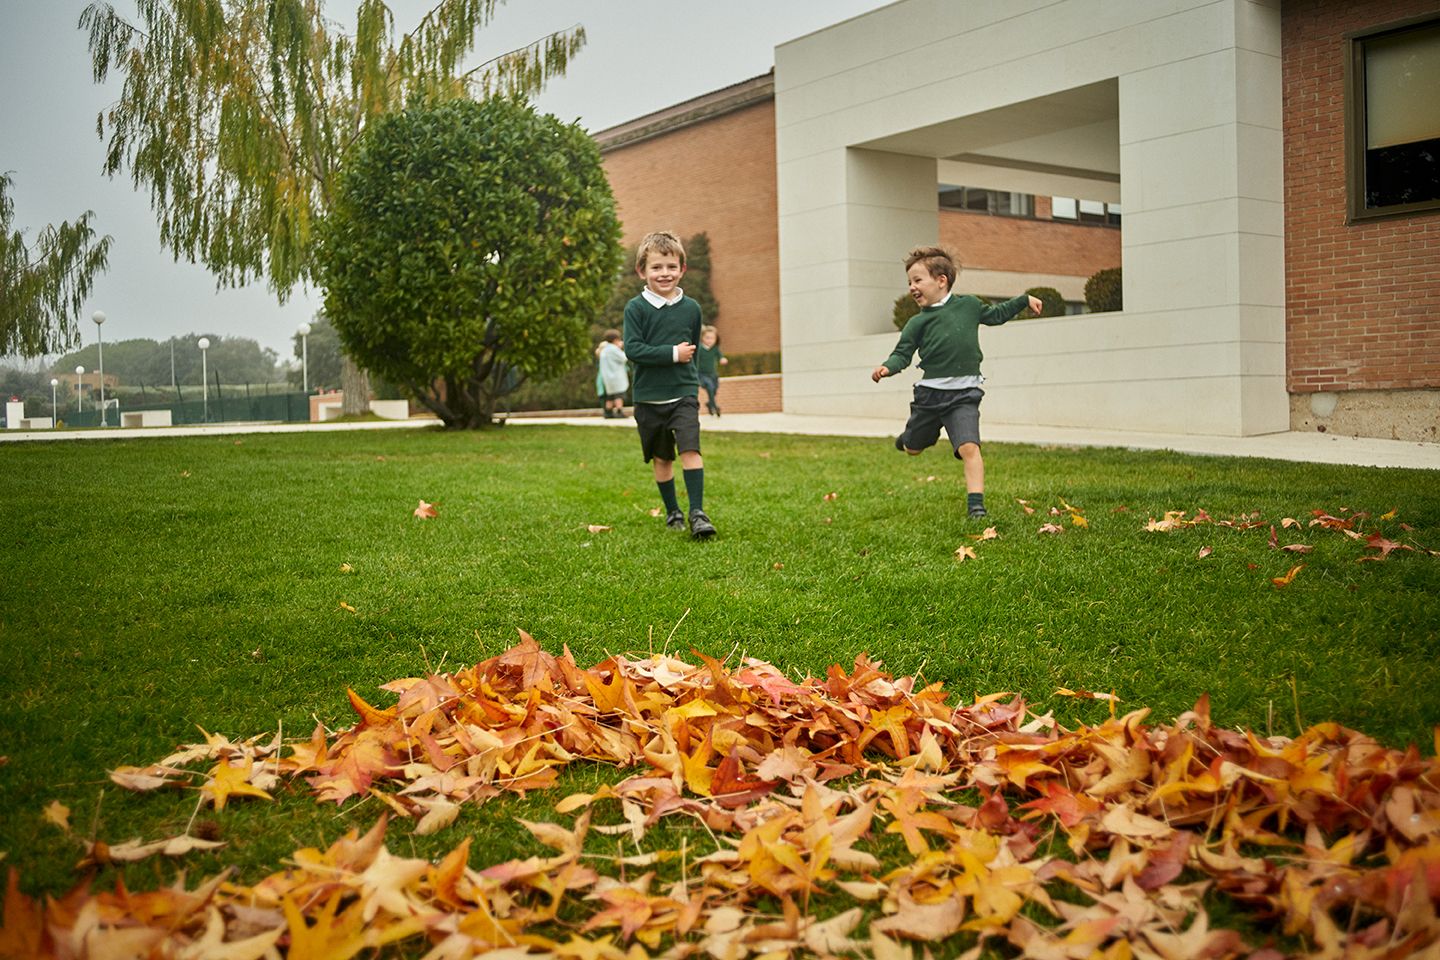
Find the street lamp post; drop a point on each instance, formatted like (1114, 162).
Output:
(99, 317)
(204, 345)
(304, 331)
(54, 405)
(79, 386)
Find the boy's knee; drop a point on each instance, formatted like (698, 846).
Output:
(967, 450)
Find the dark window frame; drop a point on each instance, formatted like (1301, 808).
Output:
(1355, 119)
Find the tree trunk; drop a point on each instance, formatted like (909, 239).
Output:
(355, 382)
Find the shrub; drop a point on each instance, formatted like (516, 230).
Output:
(1052, 304)
(748, 364)
(1103, 293)
(905, 308)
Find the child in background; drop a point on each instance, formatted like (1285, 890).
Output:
(946, 331)
(708, 359)
(613, 380)
(662, 327)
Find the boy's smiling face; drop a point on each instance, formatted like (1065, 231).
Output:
(926, 289)
(662, 273)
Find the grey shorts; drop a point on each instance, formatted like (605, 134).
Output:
(666, 427)
(958, 411)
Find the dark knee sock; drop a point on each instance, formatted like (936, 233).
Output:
(667, 493)
(695, 487)
(973, 500)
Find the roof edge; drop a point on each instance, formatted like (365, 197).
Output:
(695, 110)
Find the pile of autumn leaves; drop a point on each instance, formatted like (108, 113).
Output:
(1020, 836)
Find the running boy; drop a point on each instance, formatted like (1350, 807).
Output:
(662, 328)
(709, 358)
(946, 331)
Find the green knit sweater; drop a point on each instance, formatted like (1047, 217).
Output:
(651, 334)
(948, 336)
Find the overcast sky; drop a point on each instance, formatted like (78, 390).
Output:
(48, 106)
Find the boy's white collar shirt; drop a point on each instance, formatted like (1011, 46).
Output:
(657, 301)
(942, 301)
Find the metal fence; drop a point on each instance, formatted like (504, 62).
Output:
(219, 408)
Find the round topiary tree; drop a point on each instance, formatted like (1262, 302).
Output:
(468, 247)
(1052, 303)
(1103, 293)
(905, 307)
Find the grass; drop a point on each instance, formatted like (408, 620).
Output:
(153, 586)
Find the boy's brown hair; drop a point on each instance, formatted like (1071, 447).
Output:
(661, 241)
(937, 261)
(611, 336)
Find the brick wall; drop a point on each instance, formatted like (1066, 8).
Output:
(716, 176)
(757, 393)
(1021, 245)
(1362, 300)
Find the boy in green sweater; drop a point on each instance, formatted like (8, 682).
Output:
(946, 331)
(662, 328)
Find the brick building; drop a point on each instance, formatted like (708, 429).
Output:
(1362, 291)
(1276, 164)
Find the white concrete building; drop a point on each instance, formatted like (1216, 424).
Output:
(1172, 108)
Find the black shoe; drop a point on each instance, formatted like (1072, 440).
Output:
(675, 520)
(900, 444)
(700, 526)
(978, 512)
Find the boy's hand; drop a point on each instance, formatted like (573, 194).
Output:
(1036, 306)
(684, 352)
(724, 359)
(879, 373)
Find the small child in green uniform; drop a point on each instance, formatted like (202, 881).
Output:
(709, 358)
(662, 327)
(946, 331)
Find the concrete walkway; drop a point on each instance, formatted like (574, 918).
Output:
(1302, 447)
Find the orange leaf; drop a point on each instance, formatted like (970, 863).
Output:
(599, 528)
(990, 534)
(1204, 552)
(426, 511)
(1285, 580)
(964, 553)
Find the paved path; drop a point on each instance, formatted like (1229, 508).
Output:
(1303, 447)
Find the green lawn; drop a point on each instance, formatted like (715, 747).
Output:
(152, 586)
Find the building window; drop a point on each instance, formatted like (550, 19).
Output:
(1085, 211)
(1392, 120)
(995, 202)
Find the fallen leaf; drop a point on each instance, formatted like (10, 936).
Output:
(1051, 528)
(346, 568)
(990, 534)
(1078, 520)
(346, 606)
(426, 511)
(964, 553)
(1390, 515)
(1286, 580)
(58, 814)
(1297, 547)
(832, 495)
(1025, 505)
(777, 565)
(1204, 552)
(656, 511)
(598, 528)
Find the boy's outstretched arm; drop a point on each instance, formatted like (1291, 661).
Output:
(880, 373)
(995, 314)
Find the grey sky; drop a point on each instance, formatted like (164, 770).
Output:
(640, 57)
